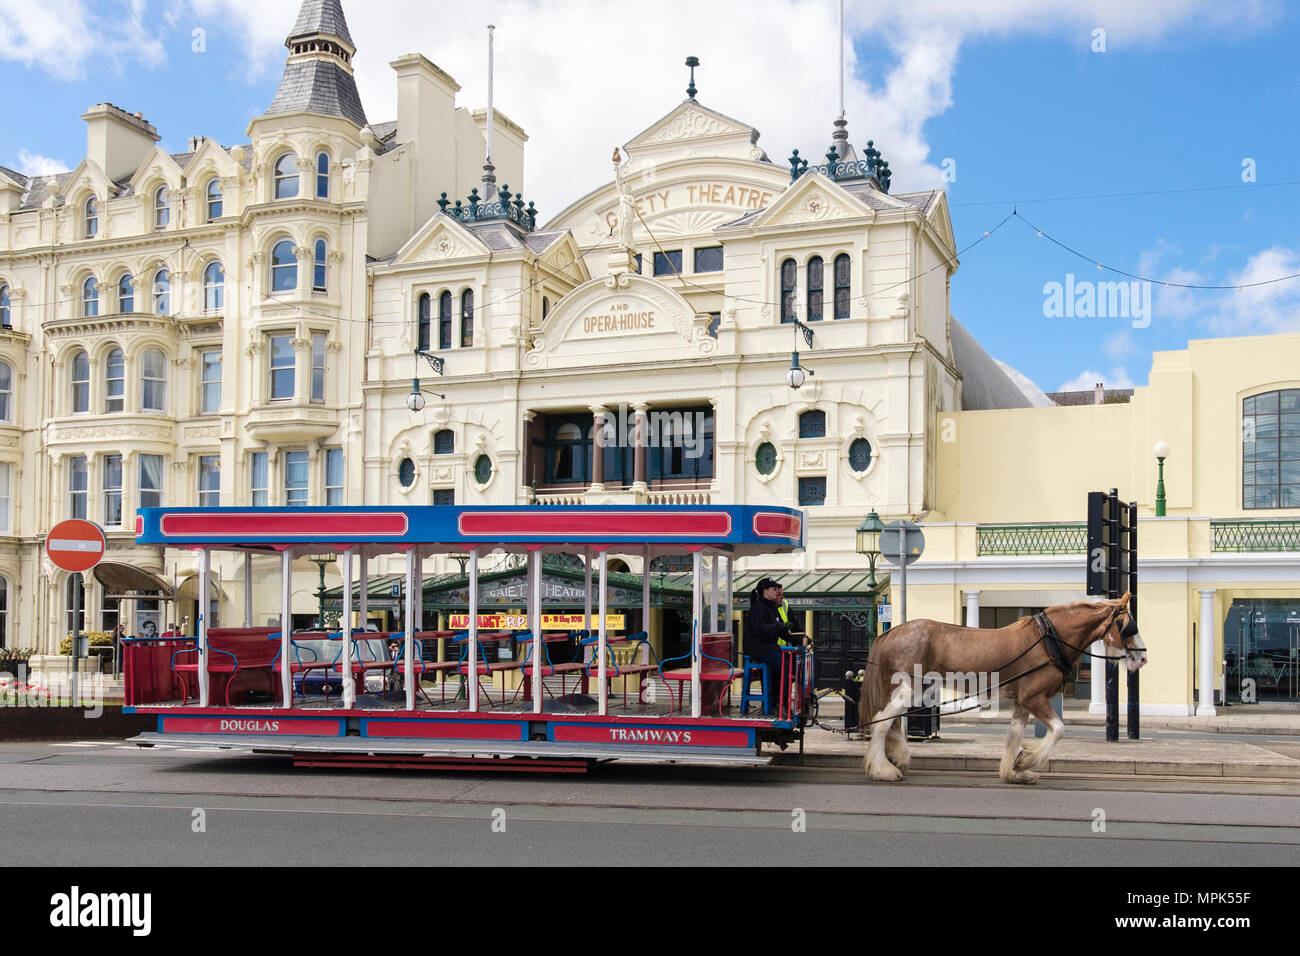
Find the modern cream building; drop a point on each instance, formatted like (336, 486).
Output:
(1219, 574)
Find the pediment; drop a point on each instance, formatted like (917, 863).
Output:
(157, 164)
(87, 176)
(210, 156)
(813, 199)
(441, 239)
(693, 129)
(615, 318)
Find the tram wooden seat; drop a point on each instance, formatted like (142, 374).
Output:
(232, 651)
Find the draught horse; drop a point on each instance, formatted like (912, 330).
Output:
(1029, 663)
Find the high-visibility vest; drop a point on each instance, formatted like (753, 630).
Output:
(783, 609)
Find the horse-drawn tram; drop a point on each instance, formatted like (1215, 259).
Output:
(508, 692)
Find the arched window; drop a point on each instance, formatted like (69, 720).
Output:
(467, 318)
(6, 392)
(318, 270)
(115, 382)
(859, 454)
(444, 321)
(812, 424)
(284, 267)
(423, 319)
(5, 315)
(789, 273)
(214, 199)
(90, 297)
(92, 218)
(815, 279)
(162, 293)
(322, 175)
(546, 306)
(568, 451)
(80, 382)
(153, 380)
(286, 176)
(162, 210)
(125, 293)
(214, 287)
(842, 286)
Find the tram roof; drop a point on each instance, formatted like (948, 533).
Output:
(741, 530)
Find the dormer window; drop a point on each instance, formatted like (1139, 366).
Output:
(286, 176)
(214, 199)
(92, 218)
(162, 210)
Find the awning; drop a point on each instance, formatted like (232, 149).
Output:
(119, 579)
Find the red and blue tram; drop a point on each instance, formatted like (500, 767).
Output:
(494, 698)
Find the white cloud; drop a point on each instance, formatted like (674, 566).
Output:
(33, 164)
(1119, 345)
(582, 76)
(1261, 309)
(62, 36)
(1118, 378)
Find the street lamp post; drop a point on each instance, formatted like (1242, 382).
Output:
(321, 560)
(1162, 452)
(869, 545)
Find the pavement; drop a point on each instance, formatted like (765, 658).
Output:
(1172, 747)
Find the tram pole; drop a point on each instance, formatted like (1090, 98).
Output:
(412, 562)
(472, 673)
(535, 619)
(286, 625)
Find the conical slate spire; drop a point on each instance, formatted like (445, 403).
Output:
(318, 73)
(323, 17)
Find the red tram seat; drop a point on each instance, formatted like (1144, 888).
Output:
(232, 651)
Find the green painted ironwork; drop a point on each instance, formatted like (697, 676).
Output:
(476, 209)
(1062, 538)
(1255, 535)
(873, 166)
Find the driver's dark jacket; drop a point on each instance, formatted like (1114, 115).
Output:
(763, 626)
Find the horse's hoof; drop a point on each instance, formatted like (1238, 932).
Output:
(1021, 776)
(1024, 759)
(887, 773)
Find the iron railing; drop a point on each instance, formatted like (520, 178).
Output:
(873, 167)
(1255, 535)
(476, 209)
(1013, 539)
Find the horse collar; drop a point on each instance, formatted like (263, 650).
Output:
(1052, 643)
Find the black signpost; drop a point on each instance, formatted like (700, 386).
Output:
(1112, 570)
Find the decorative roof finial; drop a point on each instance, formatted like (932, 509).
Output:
(692, 62)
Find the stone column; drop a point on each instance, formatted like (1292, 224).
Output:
(1205, 655)
(597, 448)
(641, 409)
(972, 608)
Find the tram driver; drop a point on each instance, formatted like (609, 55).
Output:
(767, 627)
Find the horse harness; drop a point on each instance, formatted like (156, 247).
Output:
(1052, 643)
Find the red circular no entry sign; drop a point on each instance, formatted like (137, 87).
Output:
(75, 545)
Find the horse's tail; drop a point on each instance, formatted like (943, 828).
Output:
(875, 689)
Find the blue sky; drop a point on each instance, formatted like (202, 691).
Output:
(1011, 91)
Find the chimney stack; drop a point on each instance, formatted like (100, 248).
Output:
(116, 140)
(1099, 395)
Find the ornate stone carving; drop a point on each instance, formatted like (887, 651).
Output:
(691, 124)
(203, 431)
